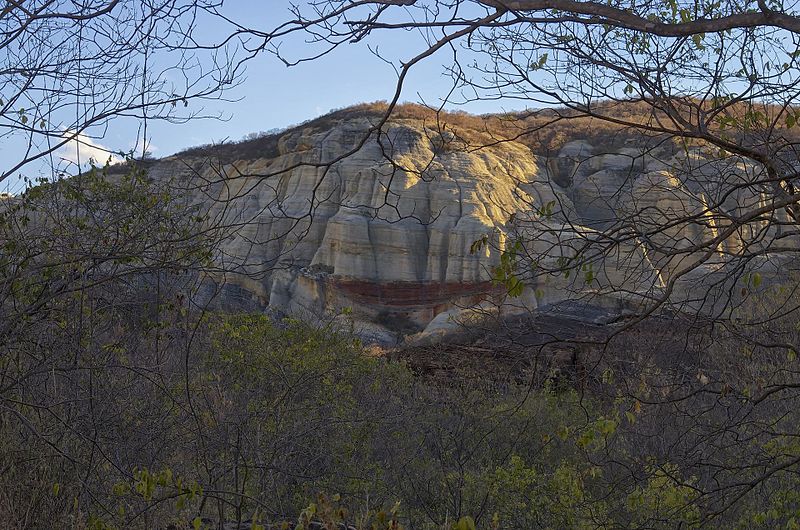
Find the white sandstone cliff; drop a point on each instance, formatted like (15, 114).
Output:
(388, 228)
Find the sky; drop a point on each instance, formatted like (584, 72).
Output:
(271, 95)
(274, 96)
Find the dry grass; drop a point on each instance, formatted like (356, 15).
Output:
(544, 131)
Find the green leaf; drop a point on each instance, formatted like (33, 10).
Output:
(563, 432)
(756, 279)
(477, 245)
(790, 121)
(56, 489)
(197, 523)
(607, 427)
(540, 63)
(515, 288)
(465, 523)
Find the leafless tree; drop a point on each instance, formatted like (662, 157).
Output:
(67, 69)
(87, 250)
(707, 93)
(112, 375)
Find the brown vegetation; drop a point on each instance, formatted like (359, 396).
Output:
(544, 131)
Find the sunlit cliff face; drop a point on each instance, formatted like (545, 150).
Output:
(389, 228)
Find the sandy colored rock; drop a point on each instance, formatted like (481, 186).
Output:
(334, 217)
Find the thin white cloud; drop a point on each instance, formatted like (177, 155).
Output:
(83, 149)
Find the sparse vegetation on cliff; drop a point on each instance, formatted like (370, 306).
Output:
(543, 130)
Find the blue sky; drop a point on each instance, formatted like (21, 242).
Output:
(274, 96)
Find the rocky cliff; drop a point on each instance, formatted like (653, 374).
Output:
(331, 215)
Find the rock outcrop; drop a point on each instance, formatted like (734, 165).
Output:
(387, 230)
(338, 216)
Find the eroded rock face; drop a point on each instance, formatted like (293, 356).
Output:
(388, 225)
(387, 230)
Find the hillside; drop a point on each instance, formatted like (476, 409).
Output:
(332, 216)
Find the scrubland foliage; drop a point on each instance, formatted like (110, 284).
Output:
(124, 405)
(126, 402)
